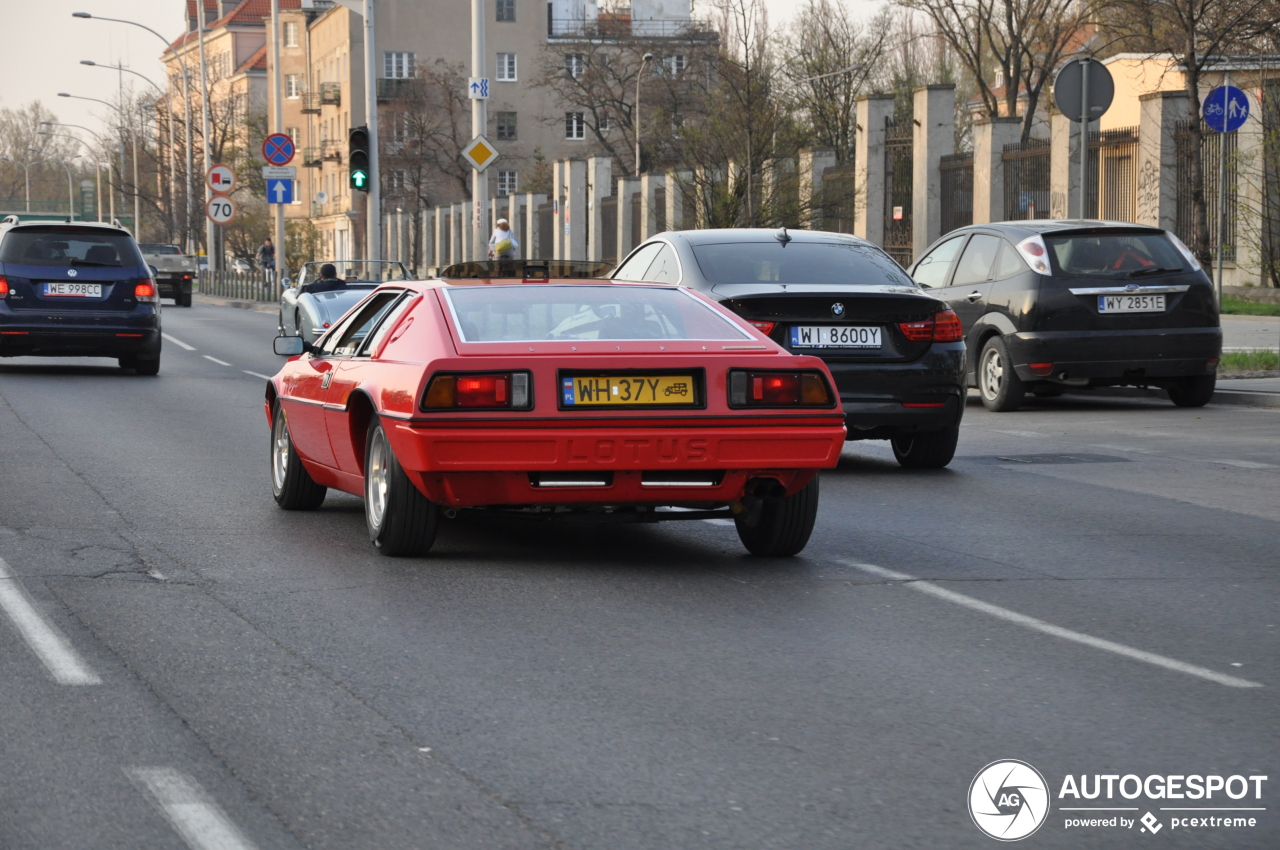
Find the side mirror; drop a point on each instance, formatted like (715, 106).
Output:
(289, 346)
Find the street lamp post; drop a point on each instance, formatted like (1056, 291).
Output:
(186, 101)
(137, 208)
(209, 233)
(644, 63)
(26, 170)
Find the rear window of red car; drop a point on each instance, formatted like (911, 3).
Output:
(529, 313)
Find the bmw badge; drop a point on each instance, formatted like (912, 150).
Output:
(837, 309)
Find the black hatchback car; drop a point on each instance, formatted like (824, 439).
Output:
(896, 351)
(77, 289)
(1050, 305)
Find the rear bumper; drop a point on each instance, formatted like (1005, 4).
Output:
(882, 401)
(1117, 356)
(473, 467)
(171, 284)
(79, 336)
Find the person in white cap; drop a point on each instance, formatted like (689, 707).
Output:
(503, 244)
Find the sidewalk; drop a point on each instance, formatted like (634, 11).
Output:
(1247, 333)
(256, 306)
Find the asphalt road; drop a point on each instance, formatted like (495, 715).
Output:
(185, 665)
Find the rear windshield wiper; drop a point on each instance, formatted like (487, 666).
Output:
(1141, 272)
(76, 261)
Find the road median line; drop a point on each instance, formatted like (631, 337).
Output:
(49, 645)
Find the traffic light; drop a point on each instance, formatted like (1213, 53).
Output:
(358, 158)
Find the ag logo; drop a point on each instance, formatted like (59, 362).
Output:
(1008, 800)
(837, 309)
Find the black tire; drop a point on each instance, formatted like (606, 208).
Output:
(184, 299)
(126, 362)
(400, 519)
(147, 367)
(927, 450)
(291, 484)
(1001, 389)
(1193, 391)
(782, 526)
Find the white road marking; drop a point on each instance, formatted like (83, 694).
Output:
(198, 819)
(1018, 433)
(1245, 464)
(215, 360)
(720, 521)
(63, 663)
(1123, 448)
(178, 342)
(1055, 631)
(256, 375)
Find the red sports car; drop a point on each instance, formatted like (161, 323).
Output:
(547, 399)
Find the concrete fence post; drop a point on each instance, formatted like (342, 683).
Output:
(812, 162)
(677, 184)
(439, 247)
(1064, 167)
(933, 137)
(990, 135)
(529, 238)
(599, 184)
(649, 186)
(868, 205)
(627, 186)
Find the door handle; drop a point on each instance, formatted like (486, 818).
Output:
(974, 296)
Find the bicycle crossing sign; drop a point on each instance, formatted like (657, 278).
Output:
(278, 149)
(1226, 109)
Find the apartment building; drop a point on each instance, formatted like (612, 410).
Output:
(322, 67)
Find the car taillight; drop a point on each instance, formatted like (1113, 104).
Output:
(509, 390)
(1033, 250)
(1041, 369)
(4, 287)
(943, 326)
(778, 389)
(145, 290)
(765, 328)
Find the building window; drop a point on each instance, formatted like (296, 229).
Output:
(506, 122)
(507, 182)
(603, 126)
(574, 126)
(506, 10)
(295, 134)
(674, 64)
(397, 66)
(290, 33)
(297, 190)
(506, 67)
(573, 64)
(293, 86)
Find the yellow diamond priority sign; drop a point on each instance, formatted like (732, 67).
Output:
(480, 153)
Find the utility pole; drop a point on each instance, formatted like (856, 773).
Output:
(277, 126)
(479, 126)
(373, 201)
(210, 234)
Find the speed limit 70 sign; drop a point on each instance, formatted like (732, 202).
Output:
(220, 210)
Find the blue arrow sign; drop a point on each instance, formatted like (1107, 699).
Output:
(478, 88)
(279, 191)
(1226, 109)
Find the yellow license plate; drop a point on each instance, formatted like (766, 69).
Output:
(628, 390)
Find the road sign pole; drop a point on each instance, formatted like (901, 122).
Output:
(1084, 137)
(479, 127)
(373, 201)
(277, 127)
(1222, 184)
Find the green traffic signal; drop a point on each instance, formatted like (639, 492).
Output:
(359, 179)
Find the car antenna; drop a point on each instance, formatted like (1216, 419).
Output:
(782, 235)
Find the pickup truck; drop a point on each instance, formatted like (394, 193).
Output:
(175, 271)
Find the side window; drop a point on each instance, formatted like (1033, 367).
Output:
(1010, 264)
(391, 317)
(975, 263)
(346, 340)
(665, 268)
(931, 272)
(634, 267)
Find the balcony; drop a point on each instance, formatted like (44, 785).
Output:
(331, 150)
(310, 103)
(390, 88)
(621, 26)
(311, 157)
(331, 94)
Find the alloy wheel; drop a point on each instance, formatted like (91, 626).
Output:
(992, 373)
(279, 451)
(377, 479)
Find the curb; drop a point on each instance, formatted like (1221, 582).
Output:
(1248, 398)
(255, 306)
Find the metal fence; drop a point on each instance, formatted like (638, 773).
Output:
(897, 190)
(1113, 174)
(839, 192)
(635, 219)
(1210, 147)
(956, 178)
(546, 231)
(609, 229)
(1026, 180)
(246, 286)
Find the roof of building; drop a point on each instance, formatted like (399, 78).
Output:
(246, 12)
(256, 62)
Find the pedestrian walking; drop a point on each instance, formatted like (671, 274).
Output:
(267, 259)
(503, 244)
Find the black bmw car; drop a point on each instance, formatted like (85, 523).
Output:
(896, 352)
(1051, 305)
(77, 289)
